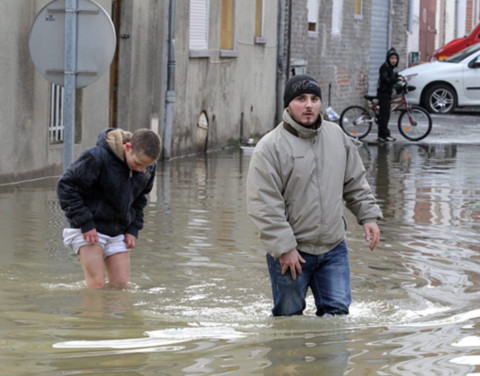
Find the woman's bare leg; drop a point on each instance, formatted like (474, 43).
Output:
(118, 269)
(91, 257)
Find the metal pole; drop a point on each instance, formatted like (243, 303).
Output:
(410, 16)
(70, 82)
(170, 95)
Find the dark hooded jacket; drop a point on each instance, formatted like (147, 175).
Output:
(99, 190)
(388, 74)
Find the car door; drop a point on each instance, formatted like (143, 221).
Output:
(471, 81)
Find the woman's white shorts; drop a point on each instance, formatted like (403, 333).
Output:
(73, 238)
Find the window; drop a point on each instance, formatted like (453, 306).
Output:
(312, 9)
(260, 21)
(55, 129)
(199, 24)
(358, 11)
(227, 32)
(337, 13)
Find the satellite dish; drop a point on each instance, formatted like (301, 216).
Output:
(96, 42)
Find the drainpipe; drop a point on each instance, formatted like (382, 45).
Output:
(289, 37)
(410, 16)
(390, 24)
(281, 56)
(455, 30)
(283, 52)
(170, 94)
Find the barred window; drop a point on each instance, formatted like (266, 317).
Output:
(56, 127)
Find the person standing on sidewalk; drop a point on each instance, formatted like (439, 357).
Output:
(388, 77)
(300, 175)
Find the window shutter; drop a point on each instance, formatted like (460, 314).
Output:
(312, 7)
(259, 18)
(227, 36)
(199, 24)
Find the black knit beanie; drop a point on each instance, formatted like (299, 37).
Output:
(298, 85)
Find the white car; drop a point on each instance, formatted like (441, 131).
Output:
(441, 86)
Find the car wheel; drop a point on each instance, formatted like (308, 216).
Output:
(440, 99)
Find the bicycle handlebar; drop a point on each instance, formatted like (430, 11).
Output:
(403, 87)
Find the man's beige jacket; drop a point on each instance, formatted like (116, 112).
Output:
(298, 183)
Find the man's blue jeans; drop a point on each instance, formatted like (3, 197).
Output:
(328, 276)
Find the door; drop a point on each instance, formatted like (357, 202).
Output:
(428, 10)
(379, 37)
(471, 81)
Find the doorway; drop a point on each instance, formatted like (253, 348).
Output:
(428, 30)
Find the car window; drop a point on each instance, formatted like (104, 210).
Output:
(459, 56)
(475, 63)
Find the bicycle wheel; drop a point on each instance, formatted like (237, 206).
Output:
(414, 125)
(356, 121)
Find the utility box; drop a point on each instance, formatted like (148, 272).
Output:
(414, 57)
(298, 66)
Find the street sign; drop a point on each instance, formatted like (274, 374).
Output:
(96, 42)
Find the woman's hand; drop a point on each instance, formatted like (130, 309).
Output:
(91, 236)
(130, 241)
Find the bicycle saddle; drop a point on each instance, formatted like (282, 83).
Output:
(370, 97)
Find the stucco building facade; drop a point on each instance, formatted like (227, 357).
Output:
(205, 96)
(204, 74)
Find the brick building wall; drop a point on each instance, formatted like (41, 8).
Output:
(469, 16)
(399, 30)
(340, 61)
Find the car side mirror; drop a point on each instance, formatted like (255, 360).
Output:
(474, 63)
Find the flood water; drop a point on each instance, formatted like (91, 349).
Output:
(200, 302)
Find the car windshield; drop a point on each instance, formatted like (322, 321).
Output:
(459, 56)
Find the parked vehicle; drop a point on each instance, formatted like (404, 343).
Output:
(442, 86)
(458, 44)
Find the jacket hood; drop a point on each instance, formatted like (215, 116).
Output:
(392, 51)
(302, 131)
(114, 139)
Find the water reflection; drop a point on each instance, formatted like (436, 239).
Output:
(326, 354)
(201, 299)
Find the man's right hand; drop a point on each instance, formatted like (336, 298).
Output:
(292, 260)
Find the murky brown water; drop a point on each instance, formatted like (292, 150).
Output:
(201, 298)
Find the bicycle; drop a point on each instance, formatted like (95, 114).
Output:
(414, 123)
